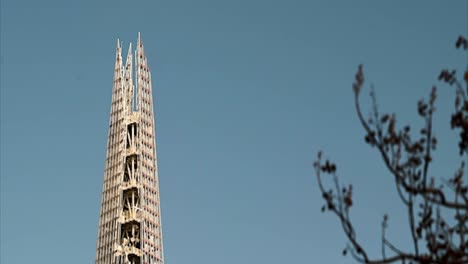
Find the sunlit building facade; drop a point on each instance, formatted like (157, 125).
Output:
(130, 219)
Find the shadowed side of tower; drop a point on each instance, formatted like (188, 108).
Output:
(130, 220)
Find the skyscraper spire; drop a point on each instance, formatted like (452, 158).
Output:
(129, 81)
(139, 38)
(118, 58)
(130, 220)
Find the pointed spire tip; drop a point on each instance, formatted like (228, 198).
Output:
(140, 42)
(129, 50)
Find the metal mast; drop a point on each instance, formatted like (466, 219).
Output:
(130, 221)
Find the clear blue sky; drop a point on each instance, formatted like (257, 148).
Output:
(246, 93)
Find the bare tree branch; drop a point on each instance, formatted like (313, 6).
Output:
(435, 239)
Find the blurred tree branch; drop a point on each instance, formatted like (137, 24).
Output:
(437, 218)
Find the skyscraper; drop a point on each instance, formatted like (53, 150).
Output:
(130, 220)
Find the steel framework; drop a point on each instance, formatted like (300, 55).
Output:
(130, 220)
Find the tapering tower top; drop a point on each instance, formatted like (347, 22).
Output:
(139, 48)
(130, 222)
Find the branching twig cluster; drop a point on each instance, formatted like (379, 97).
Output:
(435, 235)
